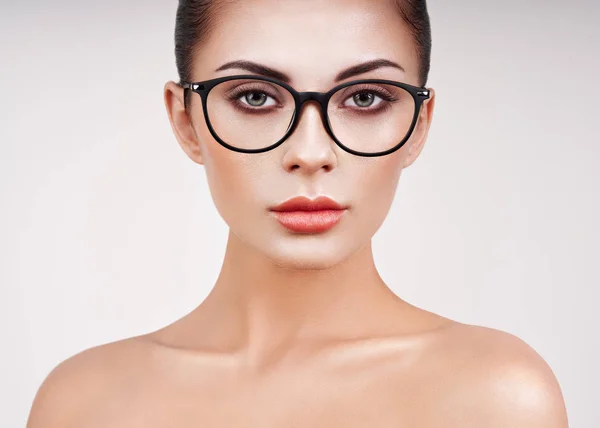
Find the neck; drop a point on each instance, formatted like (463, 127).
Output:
(258, 305)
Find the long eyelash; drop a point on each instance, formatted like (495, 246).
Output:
(234, 97)
(380, 93)
(237, 93)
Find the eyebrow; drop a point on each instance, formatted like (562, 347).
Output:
(266, 71)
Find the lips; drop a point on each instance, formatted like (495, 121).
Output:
(301, 214)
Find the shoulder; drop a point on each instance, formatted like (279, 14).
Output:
(87, 380)
(493, 378)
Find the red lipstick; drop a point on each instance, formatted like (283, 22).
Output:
(301, 214)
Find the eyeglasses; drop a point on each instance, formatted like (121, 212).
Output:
(254, 114)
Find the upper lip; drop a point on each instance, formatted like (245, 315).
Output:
(302, 203)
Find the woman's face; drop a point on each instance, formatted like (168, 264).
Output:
(310, 41)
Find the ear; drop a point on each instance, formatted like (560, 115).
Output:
(181, 123)
(417, 141)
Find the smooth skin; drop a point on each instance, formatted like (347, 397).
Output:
(300, 330)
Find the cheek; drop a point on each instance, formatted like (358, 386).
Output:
(378, 180)
(236, 181)
(222, 173)
(374, 187)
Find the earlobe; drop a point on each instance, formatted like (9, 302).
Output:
(180, 122)
(417, 141)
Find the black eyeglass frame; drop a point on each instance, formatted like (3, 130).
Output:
(203, 88)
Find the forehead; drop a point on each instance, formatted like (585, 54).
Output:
(310, 40)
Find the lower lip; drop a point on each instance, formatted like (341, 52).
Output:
(309, 221)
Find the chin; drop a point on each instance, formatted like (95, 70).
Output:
(300, 251)
(310, 254)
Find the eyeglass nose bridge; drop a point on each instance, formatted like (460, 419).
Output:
(322, 98)
(319, 97)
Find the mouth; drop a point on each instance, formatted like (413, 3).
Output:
(301, 214)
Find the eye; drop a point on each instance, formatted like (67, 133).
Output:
(369, 99)
(255, 98)
(364, 98)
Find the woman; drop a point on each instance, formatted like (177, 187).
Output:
(304, 115)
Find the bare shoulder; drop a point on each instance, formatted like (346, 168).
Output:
(493, 378)
(88, 380)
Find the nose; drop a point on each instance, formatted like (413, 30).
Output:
(309, 148)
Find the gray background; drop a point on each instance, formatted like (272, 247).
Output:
(107, 229)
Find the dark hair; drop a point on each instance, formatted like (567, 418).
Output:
(196, 19)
